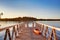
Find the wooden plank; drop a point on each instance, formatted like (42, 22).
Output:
(27, 34)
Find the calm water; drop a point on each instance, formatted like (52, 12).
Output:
(7, 23)
(51, 23)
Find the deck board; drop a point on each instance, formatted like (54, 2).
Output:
(27, 34)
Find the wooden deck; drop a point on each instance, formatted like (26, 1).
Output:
(23, 32)
(28, 34)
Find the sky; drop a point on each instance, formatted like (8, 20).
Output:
(30, 8)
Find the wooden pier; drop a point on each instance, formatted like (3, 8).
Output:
(22, 31)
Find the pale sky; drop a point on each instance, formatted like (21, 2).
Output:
(33, 8)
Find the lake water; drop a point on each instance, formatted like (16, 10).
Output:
(7, 23)
(52, 23)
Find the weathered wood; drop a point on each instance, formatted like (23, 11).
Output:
(46, 31)
(17, 28)
(33, 24)
(1, 29)
(50, 36)
(7, 33)
(27, 33)
(27, 24)
(42, 29)
(13, 31)
(54, 34)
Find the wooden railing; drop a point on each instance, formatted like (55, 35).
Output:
(43, 28)
(15, 30)
(45, 31)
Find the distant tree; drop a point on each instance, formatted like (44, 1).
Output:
(1, 14)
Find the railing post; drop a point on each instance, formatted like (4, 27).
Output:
(54, 34)
(13, 31)
(33, 24)
(46, 31)
(27, 24)
(17, 30)
(42, 29)
(7, 33)
(36, 24)
(50, 36)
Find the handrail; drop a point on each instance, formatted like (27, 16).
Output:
(1, 29)
(46, 31)
(43, 28)
(50, 26)
(14, 31)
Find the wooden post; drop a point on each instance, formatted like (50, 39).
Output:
(46, 31)
(50, 36)
(40, 26)
(7, 33)
(23, 24)
(17, 28)
(42, 29)
(33, 24)
(54, 34)
(13, 31)
(27, 25)
(36, 24)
